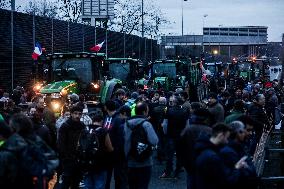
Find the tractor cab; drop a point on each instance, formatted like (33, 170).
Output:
(127, 70)
(168, 74)
(67, 73)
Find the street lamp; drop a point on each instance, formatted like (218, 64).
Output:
(203, 20)
(142, 18)
(182, 16)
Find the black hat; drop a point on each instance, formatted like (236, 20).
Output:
(76, 108)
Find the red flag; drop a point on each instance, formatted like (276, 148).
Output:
(97, 47)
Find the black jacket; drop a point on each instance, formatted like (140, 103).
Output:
(211, 171)
(177, 118)
(69, 134)
(11, 175)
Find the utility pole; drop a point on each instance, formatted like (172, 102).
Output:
(13, 5)
(142, 15)
(182, 16)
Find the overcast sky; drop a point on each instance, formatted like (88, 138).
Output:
(221, 12)
(226, 13)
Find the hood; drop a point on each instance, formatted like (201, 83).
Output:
(204, 143)
(135, 120)
(15, 143)
(56, 87)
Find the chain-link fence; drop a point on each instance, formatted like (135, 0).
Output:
(19, 32)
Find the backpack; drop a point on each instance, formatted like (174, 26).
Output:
(140, 148)
(37, 163)
(39, 159)
(89, 148)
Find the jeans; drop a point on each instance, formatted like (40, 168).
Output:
(170, 152)
(139, 178)
(95, 180)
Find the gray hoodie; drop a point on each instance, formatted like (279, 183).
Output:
(152, 138)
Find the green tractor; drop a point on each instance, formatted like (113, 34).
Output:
(127, 70)
(170, 74)
(79, 73)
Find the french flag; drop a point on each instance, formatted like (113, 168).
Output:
(97, 47)
(37, 51)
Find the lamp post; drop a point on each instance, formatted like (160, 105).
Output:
(203, 20)
(182, 16)
(142, 18)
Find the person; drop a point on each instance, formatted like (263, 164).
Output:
(68, 137)
(139, 172)
(35, 169)
(234, 151)
(238, 110)
(113, 124)
(210, 169)
(132, 100)
(198, 128)
(257, 112)
(96, 174)
(10, 145)
(119, 98)
(215, 109)
(175, 121)
(157, 118)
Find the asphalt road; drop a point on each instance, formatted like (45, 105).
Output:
(157, 183)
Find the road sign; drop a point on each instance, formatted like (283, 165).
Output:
(98, 9)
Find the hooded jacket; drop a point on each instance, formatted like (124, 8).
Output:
(211, 172)
(151, 135)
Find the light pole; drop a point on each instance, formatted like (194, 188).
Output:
(182, 16)
(203, 20)
(142, 18)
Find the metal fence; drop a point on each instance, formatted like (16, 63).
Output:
(19, 32)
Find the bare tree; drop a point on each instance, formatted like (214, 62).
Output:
(46, 8)
(128, 17)
(5, 4)
(70, 10)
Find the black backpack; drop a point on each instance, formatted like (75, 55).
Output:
(140, 148)
(88, 148)
(37, 161)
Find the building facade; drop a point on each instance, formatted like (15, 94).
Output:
(225, 41)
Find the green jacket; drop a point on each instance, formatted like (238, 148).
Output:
(1, 118)
(233, 117)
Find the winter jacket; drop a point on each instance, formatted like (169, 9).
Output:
(68, 137)
(115, 129)
(177, 118)
(258, 114)
(231, 154)
(11, 175)
(185, 147)
(151, 135)
(233, 116)
(217, 112)
(211, 171)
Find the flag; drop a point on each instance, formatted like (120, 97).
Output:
(97, 47)
(37, 51)
(202, 67)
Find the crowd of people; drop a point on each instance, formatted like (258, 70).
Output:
(213, 140)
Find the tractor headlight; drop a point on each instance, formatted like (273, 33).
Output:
(37, 87)
(95, 85)
(55, 105)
